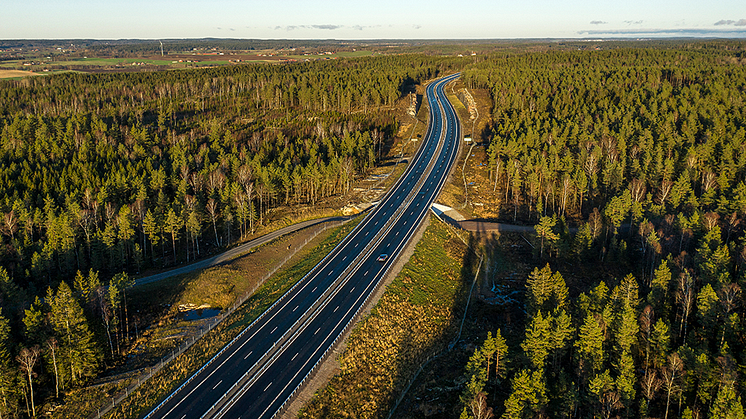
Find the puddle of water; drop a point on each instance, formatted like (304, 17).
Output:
(199, 314)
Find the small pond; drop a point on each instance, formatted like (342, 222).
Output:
(199, 314)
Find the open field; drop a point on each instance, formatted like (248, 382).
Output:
(48, 64)
(7, 74)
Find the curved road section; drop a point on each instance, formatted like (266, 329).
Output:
(256, 374)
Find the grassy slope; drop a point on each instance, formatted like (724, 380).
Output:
(416, 315)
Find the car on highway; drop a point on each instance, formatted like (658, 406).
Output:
(382, 257)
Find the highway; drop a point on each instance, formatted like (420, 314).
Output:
(256, 374)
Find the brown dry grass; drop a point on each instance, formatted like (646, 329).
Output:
(413, 318)
(7, 74)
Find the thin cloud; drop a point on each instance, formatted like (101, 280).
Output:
(633, 22)
(416, 26)
(326, 27)
(598, 22)
(363, 27)
(317, 27)
(740, 22)
(669, 32)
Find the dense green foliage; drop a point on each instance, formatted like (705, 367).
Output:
(98, 170)
(119, 172)
(645, 150)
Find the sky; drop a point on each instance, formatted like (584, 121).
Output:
(370, 19)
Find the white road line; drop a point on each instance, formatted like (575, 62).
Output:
(296, 307)
(247, 355)
(216, 385)
(273, 330)
(314, 289)
(265, 388)
(201, 382)
(317, 331)
(294, 356)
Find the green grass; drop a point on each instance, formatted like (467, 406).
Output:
(171, 376)
(414, 318)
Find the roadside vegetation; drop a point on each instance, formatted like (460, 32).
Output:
(415, 318)
(172, 329)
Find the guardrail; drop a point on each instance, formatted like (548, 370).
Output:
(292, 333)
(408, 200)
(238, 303)
(343, 278)
(115, 400)
(187, 344)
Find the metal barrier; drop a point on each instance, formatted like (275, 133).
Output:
(115, 400)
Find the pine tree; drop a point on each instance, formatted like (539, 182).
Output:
(728, 404)
(34, 322)
(545, 230)
(590, 345)
(151, 229)
(658, 296)
(173, 225)
(606, 398)
(708, 311)
(560, 334)
(528, 397)
(8, 375)
(537, 343)
(78, 350)
(660, 343)
(125, 231)
(501, 353)
(539, 284)
(477, 375)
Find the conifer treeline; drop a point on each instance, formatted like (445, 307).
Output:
(646, 151)
(116, 172)
(110, 173)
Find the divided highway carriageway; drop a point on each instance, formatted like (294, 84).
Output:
(257, 374)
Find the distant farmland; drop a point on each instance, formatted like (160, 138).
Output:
(35, 66)
(9, 74)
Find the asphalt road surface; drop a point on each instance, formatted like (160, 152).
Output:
(237, 251)
(256, 374)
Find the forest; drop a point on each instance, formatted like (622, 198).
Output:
(103, 176)
(628, 161)
(640, 313)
